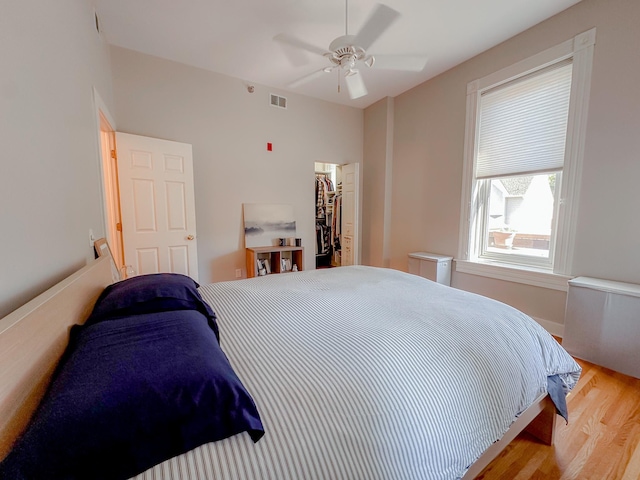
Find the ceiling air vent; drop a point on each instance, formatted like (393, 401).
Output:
(277, 101)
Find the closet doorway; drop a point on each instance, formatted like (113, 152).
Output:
(337, 214)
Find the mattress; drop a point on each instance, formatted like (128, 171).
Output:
(369, 373)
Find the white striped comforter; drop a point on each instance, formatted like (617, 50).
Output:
(367, 373)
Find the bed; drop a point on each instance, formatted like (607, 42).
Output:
(356, 372)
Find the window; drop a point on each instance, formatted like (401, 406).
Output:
(520, 156)
(524, 137)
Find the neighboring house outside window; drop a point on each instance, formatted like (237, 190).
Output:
(523, 155)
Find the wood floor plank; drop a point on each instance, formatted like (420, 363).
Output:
(632, 468)
(601, 441)
(532, 465)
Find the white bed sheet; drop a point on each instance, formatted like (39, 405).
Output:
(368, 373)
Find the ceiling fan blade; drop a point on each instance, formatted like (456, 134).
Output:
(381, 18)
(412, 63)
(296, 57)
(300, 44)
(307, 78)
(355, 85)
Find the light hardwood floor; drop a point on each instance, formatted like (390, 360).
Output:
(601, 442)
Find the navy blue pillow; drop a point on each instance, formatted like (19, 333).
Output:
(130, 393)
(158, 292)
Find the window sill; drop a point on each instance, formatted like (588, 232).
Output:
(511, 273)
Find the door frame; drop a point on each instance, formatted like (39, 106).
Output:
(106, 127)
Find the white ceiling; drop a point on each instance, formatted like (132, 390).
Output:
(235, 37)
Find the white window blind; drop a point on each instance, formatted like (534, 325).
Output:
(523, 124)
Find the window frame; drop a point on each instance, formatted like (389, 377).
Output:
(580, 50)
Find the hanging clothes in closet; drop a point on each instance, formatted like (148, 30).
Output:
(325, 192)
(324, 186)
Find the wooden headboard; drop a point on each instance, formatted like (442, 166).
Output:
(33, 338)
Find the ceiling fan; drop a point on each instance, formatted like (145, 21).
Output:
(346, 52)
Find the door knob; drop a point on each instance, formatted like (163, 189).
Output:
(190, 237)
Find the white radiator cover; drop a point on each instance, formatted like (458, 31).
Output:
(602, 323)
(432, 266)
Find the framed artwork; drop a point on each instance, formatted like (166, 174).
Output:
(266, 224)
(101, 248)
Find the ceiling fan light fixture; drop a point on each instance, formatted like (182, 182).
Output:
(348, 62)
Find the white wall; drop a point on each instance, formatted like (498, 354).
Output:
(51, 57)
(376, 196)
(229, 129)
(428, 156)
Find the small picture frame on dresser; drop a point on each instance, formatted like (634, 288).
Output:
(101, 249)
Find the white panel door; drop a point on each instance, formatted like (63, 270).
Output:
(349, 217)
(158, 205)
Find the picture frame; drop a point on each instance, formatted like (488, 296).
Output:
(101, 249)
(265, 224)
